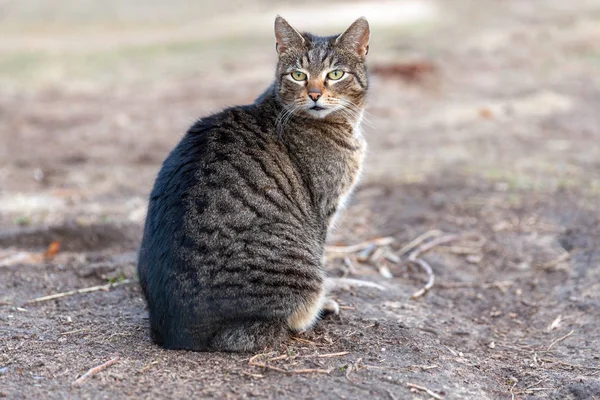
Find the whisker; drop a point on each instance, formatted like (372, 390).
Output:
(356, 111)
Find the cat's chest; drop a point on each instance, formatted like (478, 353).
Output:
(335, 164)
(353, 166)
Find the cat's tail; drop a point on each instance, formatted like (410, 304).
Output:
(233, 336)
(249, 336)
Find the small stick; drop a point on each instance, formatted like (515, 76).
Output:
(79, 291)
(413, 257)
(310, 371)
(430, 279)
(415, 242)
(335, 283)
(254, 357)
(391, 257)
(295, 371)
(424, 389)
(560, 339)
(534, 385)
(95, 370)
(377, 254)
(253, 375)
(382, 241)
(364, 255)
(431, 244)
(483, 285)
(266, 366)
(343, 353)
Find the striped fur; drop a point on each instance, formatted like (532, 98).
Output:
(232, 253)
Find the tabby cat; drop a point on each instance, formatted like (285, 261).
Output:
(232, 253)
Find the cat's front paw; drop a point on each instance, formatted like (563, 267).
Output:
(330, 307)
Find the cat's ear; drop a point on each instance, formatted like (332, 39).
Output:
(287, 37)
(356, 37)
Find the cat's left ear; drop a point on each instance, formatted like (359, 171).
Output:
(356, 37)
(287, 37)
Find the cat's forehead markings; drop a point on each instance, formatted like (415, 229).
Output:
(314, 55)
(305, 60)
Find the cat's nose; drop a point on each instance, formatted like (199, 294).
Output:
(314, 94)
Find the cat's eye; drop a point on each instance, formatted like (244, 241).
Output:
(335, 75)
(298, 75)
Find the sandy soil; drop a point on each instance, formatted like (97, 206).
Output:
(483, 119)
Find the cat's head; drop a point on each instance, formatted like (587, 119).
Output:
(321, 76)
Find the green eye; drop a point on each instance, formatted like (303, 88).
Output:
(335, 75)
(298, 75)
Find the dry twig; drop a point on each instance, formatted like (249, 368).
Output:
(383, 241)
(482, 285)
(342, 353)
(335, 283)
(106, 287)
(430, 278)
(252, 361)
(413, 257)
(95, 370)
(560, 339)
(253, 375)
(309, 371)
(424, 247)
(267, 366)
(424, 389)
(431, 244)
(415, 242)
(303, 340)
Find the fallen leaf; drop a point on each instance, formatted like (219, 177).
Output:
(52, 249)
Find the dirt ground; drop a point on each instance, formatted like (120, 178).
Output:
(484, 120)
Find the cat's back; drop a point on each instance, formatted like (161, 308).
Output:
(228, 190)
(216, 150)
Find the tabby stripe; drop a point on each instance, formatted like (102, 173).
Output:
(294, 187)
(280, 185)
(284, 208)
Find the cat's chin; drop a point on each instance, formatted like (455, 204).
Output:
(319, 112)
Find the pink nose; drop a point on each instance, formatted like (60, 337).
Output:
(315, 95)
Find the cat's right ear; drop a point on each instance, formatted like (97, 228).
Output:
(287, 37)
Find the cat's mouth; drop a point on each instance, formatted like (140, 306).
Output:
(317, 108)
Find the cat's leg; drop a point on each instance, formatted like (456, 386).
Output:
(307, 313)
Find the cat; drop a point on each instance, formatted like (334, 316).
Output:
(232, 255)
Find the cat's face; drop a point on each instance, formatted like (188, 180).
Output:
(322, 76)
